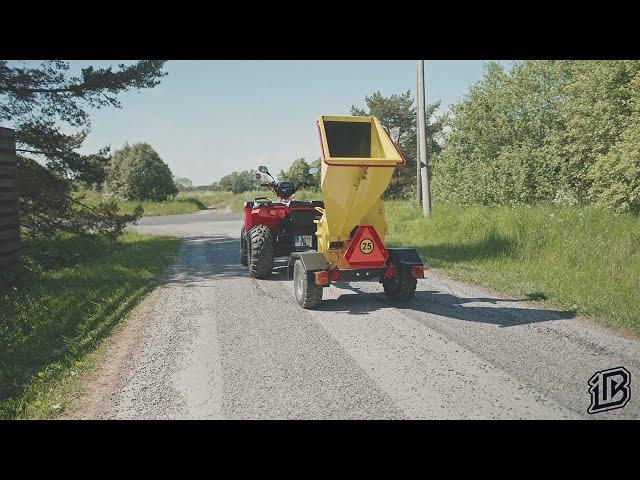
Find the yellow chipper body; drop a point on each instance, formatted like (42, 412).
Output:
(358, 161)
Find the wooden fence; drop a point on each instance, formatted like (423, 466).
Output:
(10, 249)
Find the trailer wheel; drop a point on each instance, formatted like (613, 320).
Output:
(308, 295)
(402, 287)
(243, 250)
(260, 252)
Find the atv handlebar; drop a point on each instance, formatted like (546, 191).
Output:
(296, 187)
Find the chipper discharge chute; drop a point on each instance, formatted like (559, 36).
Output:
(358, 161)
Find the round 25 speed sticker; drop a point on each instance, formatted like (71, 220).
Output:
(366, 246)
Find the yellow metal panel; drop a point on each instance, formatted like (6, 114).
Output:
(352, 185)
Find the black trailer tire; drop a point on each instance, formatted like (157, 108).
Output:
(308, 295)
(403, 287)
(260, 254)
(244, 259)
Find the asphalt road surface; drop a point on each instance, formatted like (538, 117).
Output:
(213, 343)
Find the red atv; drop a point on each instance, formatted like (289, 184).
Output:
(273, 230)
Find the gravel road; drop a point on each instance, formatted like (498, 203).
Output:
(212, 343)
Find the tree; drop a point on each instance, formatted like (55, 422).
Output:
(545, 131)
(238, 182)
(43, 103)
(497, 149)
(95, 174)
(602, 102)
(297, 171)
(138, 173)
(40, 209)
(183, 183)
(615, 176)
(398, 115)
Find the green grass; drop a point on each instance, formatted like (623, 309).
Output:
(74, 293)
(578, 258)
(183, 203)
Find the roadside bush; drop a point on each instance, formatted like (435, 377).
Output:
(183, 183)
(138, 173)
(49, 206)
(616, 176)
(237, 182)
(545, 131)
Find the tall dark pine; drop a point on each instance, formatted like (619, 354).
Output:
(397, 114)
(38, 101)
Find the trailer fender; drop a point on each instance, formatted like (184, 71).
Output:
(406, 257)
(312, 261)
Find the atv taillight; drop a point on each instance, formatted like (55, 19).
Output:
(417, 271)
(275, 212)
(322, 278)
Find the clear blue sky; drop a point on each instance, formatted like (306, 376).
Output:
(208, 118)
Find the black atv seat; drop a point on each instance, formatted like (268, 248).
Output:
(293, 203)
(261, 201)
(313, 203)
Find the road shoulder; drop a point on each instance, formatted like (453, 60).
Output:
(110, 360)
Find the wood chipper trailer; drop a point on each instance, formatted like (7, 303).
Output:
(358, 160)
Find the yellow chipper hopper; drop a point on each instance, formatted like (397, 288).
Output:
(358, 160)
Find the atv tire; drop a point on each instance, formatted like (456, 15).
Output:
(260, 252)
(402, 287)
(244, 259)
(308, 295)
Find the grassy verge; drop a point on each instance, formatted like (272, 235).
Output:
(75, 292)
(579, 258)
(183, 203)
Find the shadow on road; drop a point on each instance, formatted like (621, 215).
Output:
(446, 305)
(205, 258)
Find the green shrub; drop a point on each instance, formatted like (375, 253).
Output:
(616, 176)
(545, 131)
(138, 173)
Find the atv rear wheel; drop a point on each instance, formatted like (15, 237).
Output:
(260, 252)
(244, 259)
(308, 295)
(402, 287)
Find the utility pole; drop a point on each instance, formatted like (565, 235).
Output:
(423, 162)
(418, 178)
